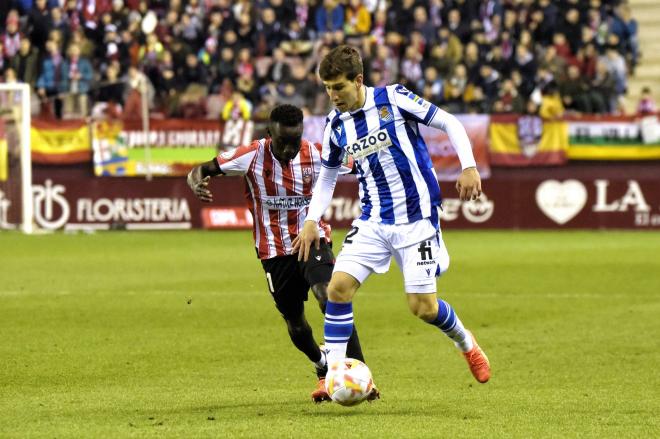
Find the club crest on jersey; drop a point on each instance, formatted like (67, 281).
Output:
(369, 144)
(385, 115)
(307, 175)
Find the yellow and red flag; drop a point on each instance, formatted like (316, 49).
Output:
(60, 142)
(522, 140)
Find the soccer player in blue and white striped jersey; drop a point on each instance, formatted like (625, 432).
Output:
(400, 199)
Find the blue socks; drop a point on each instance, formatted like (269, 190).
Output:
(449, 323)
(338, 328)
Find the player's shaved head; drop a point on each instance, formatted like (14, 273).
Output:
(288, 115)
(285, 128)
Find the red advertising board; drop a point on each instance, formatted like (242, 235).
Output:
(585, 197)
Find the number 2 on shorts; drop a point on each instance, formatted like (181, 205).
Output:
(351, 234)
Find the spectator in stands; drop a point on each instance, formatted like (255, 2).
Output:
(48, 83)
(192, 101)
(524, 87)
(38, 24)
(11, 39)
(380, 27)
(617, 67)
(284, 11)
(269, 31)
(454, 45)
(357, 22)
(587, 58)
(110, 95)
(247, 85)
(515, 38)
(329, 17)
(489, 82)
(632, 39)
(26, 63)
(423, 25)
(119, 14)
(604, 84)
(509, 100)
(168, 85)
(86, 46)
(551, 102)
(190, 29)
(477, 104)
(496, 59)
(439, 60)
(237, 108)
(574, 90)
(411, 67)
(297, 41)
(562, 48)
(305, 86)
(570, 26)
(75, 82)
(646, 103)
(279, 70)
(457, 26)
(472, 61)
(525, 63)
(137, 85)
(226, 68)
(289, 94)
(431, 86)
(58, 23)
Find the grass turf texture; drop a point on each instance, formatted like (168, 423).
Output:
(175, 335)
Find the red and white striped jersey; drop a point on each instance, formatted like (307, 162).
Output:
(277, 195)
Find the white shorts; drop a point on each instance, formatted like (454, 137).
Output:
(417, 248)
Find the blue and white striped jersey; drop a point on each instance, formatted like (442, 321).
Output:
(396, 177)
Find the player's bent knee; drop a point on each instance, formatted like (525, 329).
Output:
(342, 287)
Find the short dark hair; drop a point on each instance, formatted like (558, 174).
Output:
(342, 60)
(287, 115)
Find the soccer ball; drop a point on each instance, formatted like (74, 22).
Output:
(348, 382)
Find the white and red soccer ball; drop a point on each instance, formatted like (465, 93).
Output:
(348, 382)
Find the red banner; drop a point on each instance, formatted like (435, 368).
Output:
(445, 160)
(585, 197)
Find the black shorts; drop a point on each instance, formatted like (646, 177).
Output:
(289, 280)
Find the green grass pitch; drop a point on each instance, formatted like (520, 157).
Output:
(174, 335)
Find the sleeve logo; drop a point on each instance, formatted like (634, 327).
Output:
(228, 155)
(412, 96)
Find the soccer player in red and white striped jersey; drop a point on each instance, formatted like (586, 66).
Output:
(280, 172)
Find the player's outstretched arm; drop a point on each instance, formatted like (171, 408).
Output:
(198, 180)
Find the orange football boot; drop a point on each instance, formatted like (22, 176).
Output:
(478, 362)
(319, 394)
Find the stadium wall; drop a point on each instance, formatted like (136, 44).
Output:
(575, 196)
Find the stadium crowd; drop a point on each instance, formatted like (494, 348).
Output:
(237, 59)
